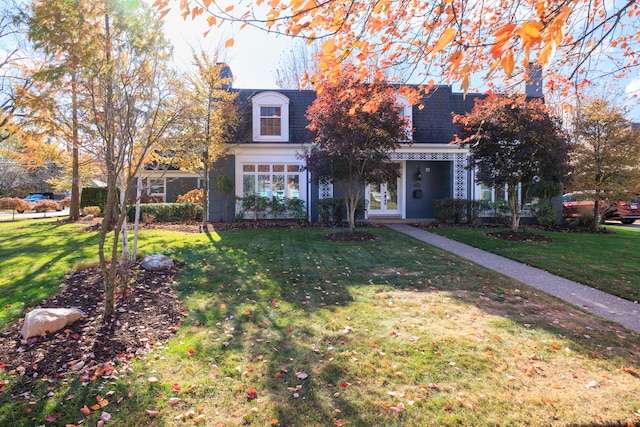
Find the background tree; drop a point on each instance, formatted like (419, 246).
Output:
(514, 143)
(65, 32)
(606, 154)
(208, 122)
(298, 66)
(356, 126)
(573, 41)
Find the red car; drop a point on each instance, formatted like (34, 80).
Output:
(625, 212)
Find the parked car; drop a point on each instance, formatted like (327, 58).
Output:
(576, 204)
(34, 198)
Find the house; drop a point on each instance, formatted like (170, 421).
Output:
(265, 158)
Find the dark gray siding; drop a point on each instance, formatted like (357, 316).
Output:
(217, 202)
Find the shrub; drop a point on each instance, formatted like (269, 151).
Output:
(474, 209)
(147, 198)
(91, 210)
(501, 211)
(585, 218)
(543, 213)
(46, 205)
(66, 202)
(442, 210)
(169, 212)
(296, 207)
(193, 196)
(93, 196)
(460, 210)
(256, 204)
(334, 210)
(14, 203)
(148, 218)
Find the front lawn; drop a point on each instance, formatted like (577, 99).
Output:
(605, 261)
(284, 328)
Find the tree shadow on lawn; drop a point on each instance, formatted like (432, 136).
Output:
(260, 299)
(37, 283)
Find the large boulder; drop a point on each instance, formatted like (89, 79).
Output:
(157, 262)
(41, 321)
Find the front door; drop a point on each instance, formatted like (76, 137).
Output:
(383, 199)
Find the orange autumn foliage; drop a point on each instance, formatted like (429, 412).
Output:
(453, 39)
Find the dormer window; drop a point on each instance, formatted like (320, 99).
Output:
(270, 117)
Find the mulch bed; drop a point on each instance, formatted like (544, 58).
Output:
(147, 315)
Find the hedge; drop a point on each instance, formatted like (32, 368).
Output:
(93, 196)
(169, 212)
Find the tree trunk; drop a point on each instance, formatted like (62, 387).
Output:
(596, 215)
(74, 204)
(514, 205)
(205, 197)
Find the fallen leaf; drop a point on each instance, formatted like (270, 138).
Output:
(273, 422)
(105, 416)
(337, 423)
(176, 387)
(592, 384)
(302, 375)
(152, 414)
(252, 393)
(52, 417)
(174, 400)
(152, 380)
(191, 351)
(85, 410)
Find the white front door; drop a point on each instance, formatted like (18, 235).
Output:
(383, 199)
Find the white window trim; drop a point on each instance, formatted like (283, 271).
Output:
(270, 99)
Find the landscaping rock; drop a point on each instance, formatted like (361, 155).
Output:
(41, 321)
(157, 262)
(88, 218)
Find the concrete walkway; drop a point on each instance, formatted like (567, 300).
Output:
(619, 310)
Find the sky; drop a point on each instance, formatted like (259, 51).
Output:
(253, 59)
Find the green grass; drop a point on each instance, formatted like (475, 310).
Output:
(392, 332)
(608, 262)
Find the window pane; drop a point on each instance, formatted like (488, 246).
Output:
(264, 186)
(293, 186)
(485, 193)
(293, 168)
(248, 185)
(156, 186)
(278, 168)
(278, 186)
(270, 126)
(248, 168)
(264, 168)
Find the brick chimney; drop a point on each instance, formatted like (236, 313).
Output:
(533, 81)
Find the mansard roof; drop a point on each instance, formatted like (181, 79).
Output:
(432, 123)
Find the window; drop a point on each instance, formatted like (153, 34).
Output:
(279, 180)
(270, 121)
(156, 186)
(270, 117)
